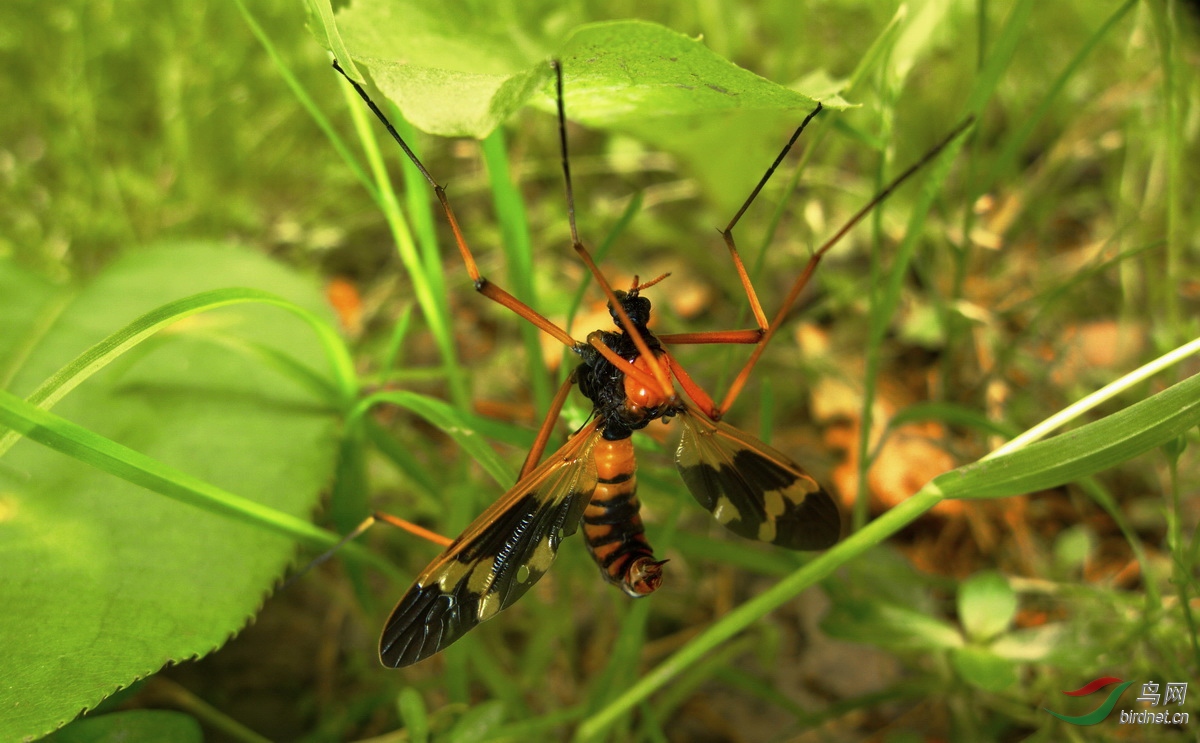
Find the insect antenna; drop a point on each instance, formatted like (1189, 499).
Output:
(650, 283)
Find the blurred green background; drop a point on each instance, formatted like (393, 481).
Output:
(1062, 254)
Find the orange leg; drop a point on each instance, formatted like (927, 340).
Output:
(358, 531)
(543, 436)
(531, 461)
(662, 379)
(747, 337)
(693, 390)
(769, 330)
(660, 374)
(482, 285)
(727, 233)
(407, 526)
(595, 341)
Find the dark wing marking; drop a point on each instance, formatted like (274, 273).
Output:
(754, 490)
(494, 562)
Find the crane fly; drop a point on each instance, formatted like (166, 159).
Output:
(629, 375)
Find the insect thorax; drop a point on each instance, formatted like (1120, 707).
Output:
(605, 385)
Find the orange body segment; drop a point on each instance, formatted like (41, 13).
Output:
(612, 526)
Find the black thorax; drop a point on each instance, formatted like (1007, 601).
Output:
(604, 384)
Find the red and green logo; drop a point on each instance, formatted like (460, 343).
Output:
(1101, 712)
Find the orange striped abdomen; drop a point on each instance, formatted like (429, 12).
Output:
(612, 526)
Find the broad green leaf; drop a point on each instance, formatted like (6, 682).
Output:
(115, 581)
(1073, 546)
(460, 74)
(984, 669)
(1095, 447)
(1057, 644)
(670, 91)
(413, 713)
(621, 73)
(133, 726)
(148, 325)
(889, 626)
(453, 74)
(464, 81)
(477, 722)
(986, 605)
(106, 455)
(1085, 451)
(33, 304)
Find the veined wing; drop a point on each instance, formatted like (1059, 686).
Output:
(499, 556)
(754, 490)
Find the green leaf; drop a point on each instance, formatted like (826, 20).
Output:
(30, 306)
(125, 339)
(889, 626)
(411, 706)
(420, 93)
(452, 422)
(1073, 547)
(984, 669)
(477, 722)
(115, 581)
(626, 74)
(450, 73)
(986, 605)
(460, 74)
(147, 725)
(1090, 449)
(457, 79)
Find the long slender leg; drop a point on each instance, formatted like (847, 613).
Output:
(358, 531)
(482, 284)
(740, 381)
(547, 427)
(660, 374)
(727, 233)
(746, 337)
(693, 390)
(595, 341)
(531, 461)
(407, 526)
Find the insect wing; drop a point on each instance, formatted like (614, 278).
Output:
(754, 490)
(495, 561)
